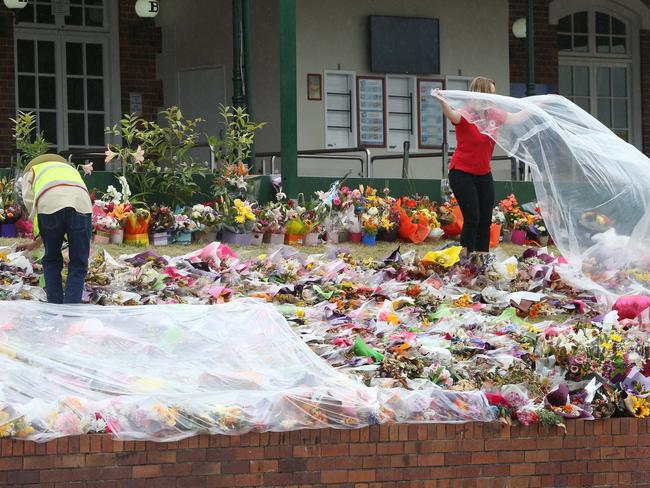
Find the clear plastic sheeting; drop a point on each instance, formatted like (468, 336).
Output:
(592, 186)
(168, 372)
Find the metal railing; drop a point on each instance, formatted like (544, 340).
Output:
(331, 154)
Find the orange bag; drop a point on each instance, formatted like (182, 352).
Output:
(495, 234)
(411, 231)
(455, 228)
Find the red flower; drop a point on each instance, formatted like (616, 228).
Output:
(497, 399)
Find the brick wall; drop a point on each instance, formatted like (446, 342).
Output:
(7, 84)
(607, 453)
(140, 41)
(546, 67)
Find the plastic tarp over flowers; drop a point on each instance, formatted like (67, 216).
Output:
(593, 187)
(169, 372)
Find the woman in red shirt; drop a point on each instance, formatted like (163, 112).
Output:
(470, 175)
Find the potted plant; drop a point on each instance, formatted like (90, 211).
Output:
(104, 227)
(207, 219)
(370, 225)
(136, 230)
(162, 222)
(184, 226)
(238, 221)
(296, 227)
(272, 220)
(512, 213)
(10, 211)
(520, 231)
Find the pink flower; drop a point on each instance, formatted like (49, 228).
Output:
(342, 342)
(109, 154)
(138, 155)
(336, 201)
(87, 169)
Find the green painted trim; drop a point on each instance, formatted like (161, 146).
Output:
(288, 98)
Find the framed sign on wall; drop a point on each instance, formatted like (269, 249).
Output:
(314, 86)
(431, 126)
(371, 111)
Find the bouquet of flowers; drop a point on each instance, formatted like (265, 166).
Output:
(498, 217)
(162, 219)
(521, 224)
(237, 216)
(596, 222)
(184, 223)
(370, 221)
(511, 210)
(232, 180)
(115, 203)
(10, 210)
(106, 223)
(137, 222)
(206, 216)
(272, 216)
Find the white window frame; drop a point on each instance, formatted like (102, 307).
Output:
(628, 14)
(352, 78)
(413, 138)
(108, 36)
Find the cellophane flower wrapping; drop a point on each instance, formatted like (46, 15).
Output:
(592, 186)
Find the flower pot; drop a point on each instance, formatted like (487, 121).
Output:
(388, 235)
(102, 237)
(332, 237)
(543, 241)
(495, 234)
(136, 239)
(159, 238)
(207, 236)
(229, 237)
(293, 239)
(507, 235)
(7, 230)
(355, 237)
(343, 236)
(117, 236)
(369, 239)
(257, 238)
(312, 239)
(274, 238)
(184, 237)
(519, 237)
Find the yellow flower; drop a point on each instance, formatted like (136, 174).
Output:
(249, 216)
(615, 337)
(640, 406)
(300, 313)
(607, 346)
(239, 219)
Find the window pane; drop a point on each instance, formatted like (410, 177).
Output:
(618, 27)
(75, 17)
(48, 126)
(94, 17)
(583, 103)
(602, 44)
(47, 92)
(581, 80)
(25, 14)
(76, 94)
(46, 59)
(619, 45)
(95, 94)
(26, 92)
(564, 24)
(619, 114)
(76, 130)
(25, 55)
(604, 111)
(566, 84)
(44, 14)
(74, 58)
(76, 2)
(94, 2)
(96, 129)
(619, 82)
(603, 88)
(94, 60)
(602, 23)
(580, 22)
(564, 42)
(581, 43)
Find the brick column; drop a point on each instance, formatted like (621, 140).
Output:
(140, 42)
(644, 47)
(546, 67)
(7, 85)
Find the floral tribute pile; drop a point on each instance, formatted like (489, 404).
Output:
(408, 338)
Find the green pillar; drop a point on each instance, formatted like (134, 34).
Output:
(248, 76)
(238, 97)
(288, 94)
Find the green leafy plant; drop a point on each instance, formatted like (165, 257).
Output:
(155, 158)
(29, 142)
(239, 138)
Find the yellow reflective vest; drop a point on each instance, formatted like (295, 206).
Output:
(52, 175)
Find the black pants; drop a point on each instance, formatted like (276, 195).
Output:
(475, 196)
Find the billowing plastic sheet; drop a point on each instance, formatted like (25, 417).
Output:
(592, 186)
(173, 371)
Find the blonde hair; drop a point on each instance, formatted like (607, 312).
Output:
(482, 84)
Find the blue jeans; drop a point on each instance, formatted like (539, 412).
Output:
(54, 227)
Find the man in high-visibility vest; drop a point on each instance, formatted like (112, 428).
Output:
(57, 199)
